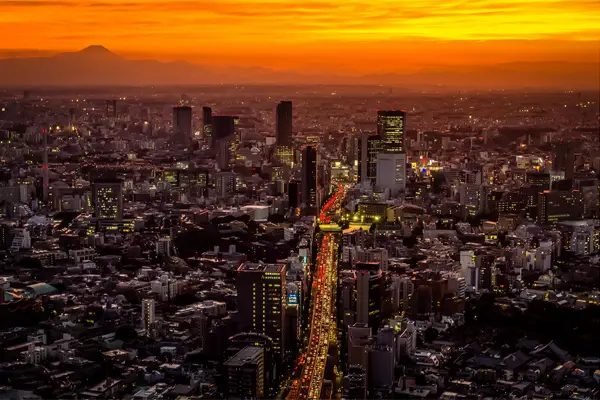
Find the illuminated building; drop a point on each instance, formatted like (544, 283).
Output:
(371, 211)
(225, 183)
(352, 147)
(262, 302)
(309, 177)
(472, 198)
(284, 133)
(559, 205)
(246, 374)
(540, 180)
(182, 123)
(369, 147)
(391, 171)
(391, 126)
(148, 313)
(582, 238)
(207, 124)
(107, 197)
(284, 155)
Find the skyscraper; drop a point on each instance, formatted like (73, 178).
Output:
(284, 124)
(369, 147)
(223, 127)
(309, 177)
(391, 171)
(261, 301)
(207, 124)
(182, 123)
(111, 108)
(107, 197)
(246, 374)
(391, 128)
(148, 313)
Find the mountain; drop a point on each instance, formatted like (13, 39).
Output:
(98, 66)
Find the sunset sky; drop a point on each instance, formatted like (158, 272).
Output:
(319, 35)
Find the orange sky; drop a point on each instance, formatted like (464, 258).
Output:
(353, 35)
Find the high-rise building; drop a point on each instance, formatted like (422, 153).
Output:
(309, 177)
(294, 193)
(207, 124)
(148, 313)
(225, 183)
(223, 127)
(369, 147)
(540, 180)
(182, 122)
(391, 171)
(111, 108)
(262, 302)
(391, 127)
(246, 374)
(559, 205)
(107, 198)
(369, 293)
(284, 133)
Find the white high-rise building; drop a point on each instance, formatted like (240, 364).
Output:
(22, 240)
(148, 313)
(391, 171)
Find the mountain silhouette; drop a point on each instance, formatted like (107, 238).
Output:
(97, 66)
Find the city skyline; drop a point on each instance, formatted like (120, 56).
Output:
(350, 37)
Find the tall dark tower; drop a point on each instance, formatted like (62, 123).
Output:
(45, 179)
(111, 108)
(182, 123)
(207, 128)
(391, 129)
(309, 177)
(284, 124)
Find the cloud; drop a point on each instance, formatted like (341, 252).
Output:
(248, 28)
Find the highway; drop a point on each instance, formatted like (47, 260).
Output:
(323, 323)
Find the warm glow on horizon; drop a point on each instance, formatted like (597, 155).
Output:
(352, 35)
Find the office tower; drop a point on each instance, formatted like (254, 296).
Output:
(369, 293)
(111, 108)
(369, 147)
(148, 314)
(107, 198)
(391, 171)
(182, 123)
(223, 148)
(354, 385)
(352, 148)
(207, 124)
(358, 340)
(391, 126)
(45, 179)
(261, 301)
(246, 374)
(225, 183)
(540, 180)
(381, 367)
(223, 127)
(294, 194)
(472, 197)
(559, 205)
(284, 134)
(163, 246)
(309, 177)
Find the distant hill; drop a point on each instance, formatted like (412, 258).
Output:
(97, 66)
